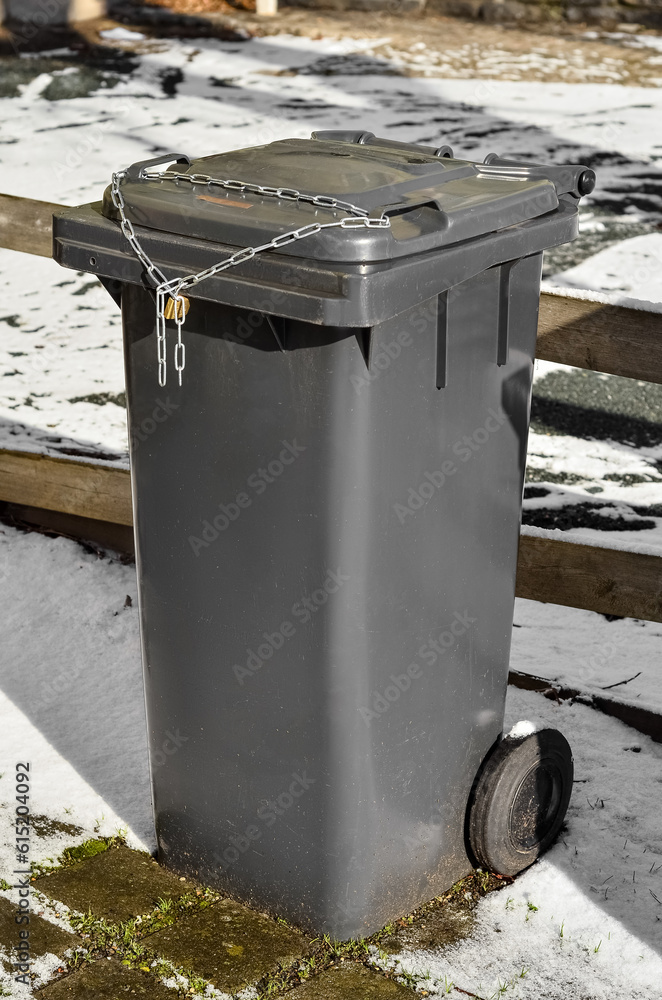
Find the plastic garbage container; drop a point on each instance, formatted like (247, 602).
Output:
(327, 510)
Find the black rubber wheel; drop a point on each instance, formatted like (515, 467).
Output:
(520, 801)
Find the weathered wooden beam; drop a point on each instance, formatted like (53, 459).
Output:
(611, 581)
(81, 488)
(27, 225)
(602, 338)
(102, 534)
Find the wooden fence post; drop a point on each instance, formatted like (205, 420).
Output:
(266, 8)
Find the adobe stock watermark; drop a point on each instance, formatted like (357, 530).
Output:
(426, 833)
(381, 360)
(53, 689)
(257, 483)
(303, 610)
(59, 684)
(22, 843)
(169, 746)
(424, 318)
(247, 324)
(91, 139)
(162, 410)
(267, 814)
(94, 138)
(429, 652)
(266, 309)
(592, 669)
(44, 15)
(464, 449)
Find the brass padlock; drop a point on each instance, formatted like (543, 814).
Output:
(183, 304)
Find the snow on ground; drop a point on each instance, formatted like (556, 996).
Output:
(72, 704)
(61, 344)
(237, 94)
(620, 659)
(633, 268)
(122, 35)
(587, 920)
(625, 519)
(69, 663)
(62, 383)
(472, 60)
(71, 696)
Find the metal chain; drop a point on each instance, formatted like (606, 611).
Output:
(358, 218)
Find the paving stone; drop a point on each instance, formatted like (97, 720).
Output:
(115, 885)
(228, 944)
(45, 937)
(106, 980)
(350, 981)
(437, 928)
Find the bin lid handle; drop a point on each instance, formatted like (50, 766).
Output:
(572, 178)
(370, 139)
(137, 170)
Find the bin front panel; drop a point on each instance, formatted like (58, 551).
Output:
(326, 548)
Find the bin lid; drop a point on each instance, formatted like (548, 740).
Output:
(431, 198)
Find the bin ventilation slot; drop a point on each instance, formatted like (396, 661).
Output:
(279, 334)
(364, 339)
(114, 288)
(442, 340)
(504, 312)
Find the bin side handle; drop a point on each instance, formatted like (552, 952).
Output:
(370, 139)
(136, 171)
(273, 326)
(441, 362)
(572, 178)
(503, 313)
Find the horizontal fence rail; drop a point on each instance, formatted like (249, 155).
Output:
(602, 338)
(27, 225)
(611, 581)
(584, 334)
(80, 488)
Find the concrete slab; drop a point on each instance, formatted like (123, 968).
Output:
(439, 927)
(228, 944)
(115, 885)
(45, 938)
(350, 981)
(106, 980)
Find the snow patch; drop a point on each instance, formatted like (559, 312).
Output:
(554, 286)
(72, 694)
(626, 541)
(122, 35)
(72, 704)
(522, 729)
(630, 271)
(583, 921)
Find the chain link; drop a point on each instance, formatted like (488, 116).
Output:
(358, 218)
(288, 194)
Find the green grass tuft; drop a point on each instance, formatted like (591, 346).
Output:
(89, 849)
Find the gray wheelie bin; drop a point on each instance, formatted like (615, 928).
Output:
(329, 351)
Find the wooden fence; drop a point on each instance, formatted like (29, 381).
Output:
(576, 332)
